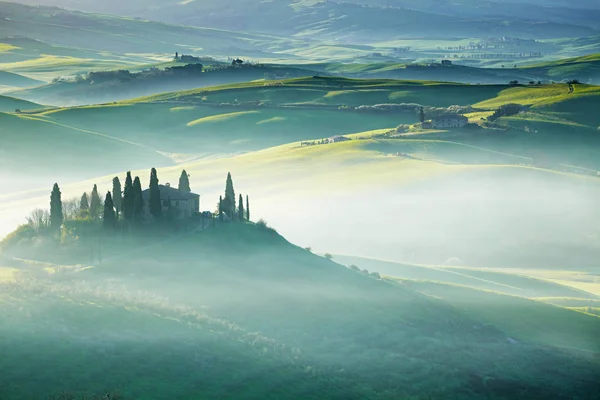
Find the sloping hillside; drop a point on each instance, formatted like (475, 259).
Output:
(10, 104)
(339, 20)
(387, 339)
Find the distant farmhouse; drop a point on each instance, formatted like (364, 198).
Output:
(336, 139)
(446, 121)
(446, 62)
(184, 205)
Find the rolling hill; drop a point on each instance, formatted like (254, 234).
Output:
(346, 21)
(10, 104)
(265, 311)
(13, 81)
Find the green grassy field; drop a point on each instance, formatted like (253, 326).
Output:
(10, 104)
(521, 318)
(334, 333)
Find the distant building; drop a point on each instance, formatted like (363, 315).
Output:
(185, 205)
(446, 62)
(446, 121)
(336, 139)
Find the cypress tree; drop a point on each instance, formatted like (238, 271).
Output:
(138, 201)
(95, 203)
(56, 211)
(117, 195)
(220, 208)
(184, 182)
(422, 114)
(247, 208)
(110, 218)
(84, 204)
(229, 201)
(154, 199)
(127, 205)
(241, 208)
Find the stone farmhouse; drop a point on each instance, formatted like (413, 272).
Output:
(446, 121)
(184, 205)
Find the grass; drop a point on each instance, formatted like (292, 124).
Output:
(521, 318)
(352, 336)
(10, 104)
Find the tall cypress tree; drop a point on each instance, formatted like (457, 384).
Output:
(184, 182)
(110, 218)
(220, 208)
(84, 204)
(422, 114)
(154, 199)
(95, 203)
(117, 195)
(247, 208)
(138, 201)
(127, 204)
(229, 200)
(56, 211)
(241, 215)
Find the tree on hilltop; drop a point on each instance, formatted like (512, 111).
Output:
(241, 214)
(117, 195)
(95, 203)
(228, 205)
(56, 212)
(127, 204)
(109, 218)
(138, 201)
(84, 203)
(247, 208)
(154, 203)
(184, 182)
(220, 208)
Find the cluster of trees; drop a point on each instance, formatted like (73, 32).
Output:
(506, 110)
(124, 205)
(226, 208)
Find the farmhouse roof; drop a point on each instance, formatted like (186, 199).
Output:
(167, 192)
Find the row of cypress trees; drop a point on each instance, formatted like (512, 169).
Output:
(127, 202)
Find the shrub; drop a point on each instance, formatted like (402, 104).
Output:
(506, 110)
(308, 249)
(328, 256)
(375, 275)
(354, 268)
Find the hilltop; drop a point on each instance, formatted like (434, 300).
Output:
(308, 314)
(327, 19)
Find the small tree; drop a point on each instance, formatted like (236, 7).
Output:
(328, 256)
(421, 115)
(84, 204)
(110, 219)
(117, 195)
(56, 212)
(184, 182)
(39, 220)
(241, 214)
(154, 203)
(95, 203)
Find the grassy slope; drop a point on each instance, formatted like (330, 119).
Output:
(99, 32)
(515, 283)
(9, 80)
(523, 318)
(25, 144)
(382, 335)
(10, 104)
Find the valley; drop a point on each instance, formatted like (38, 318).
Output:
(410, 205)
